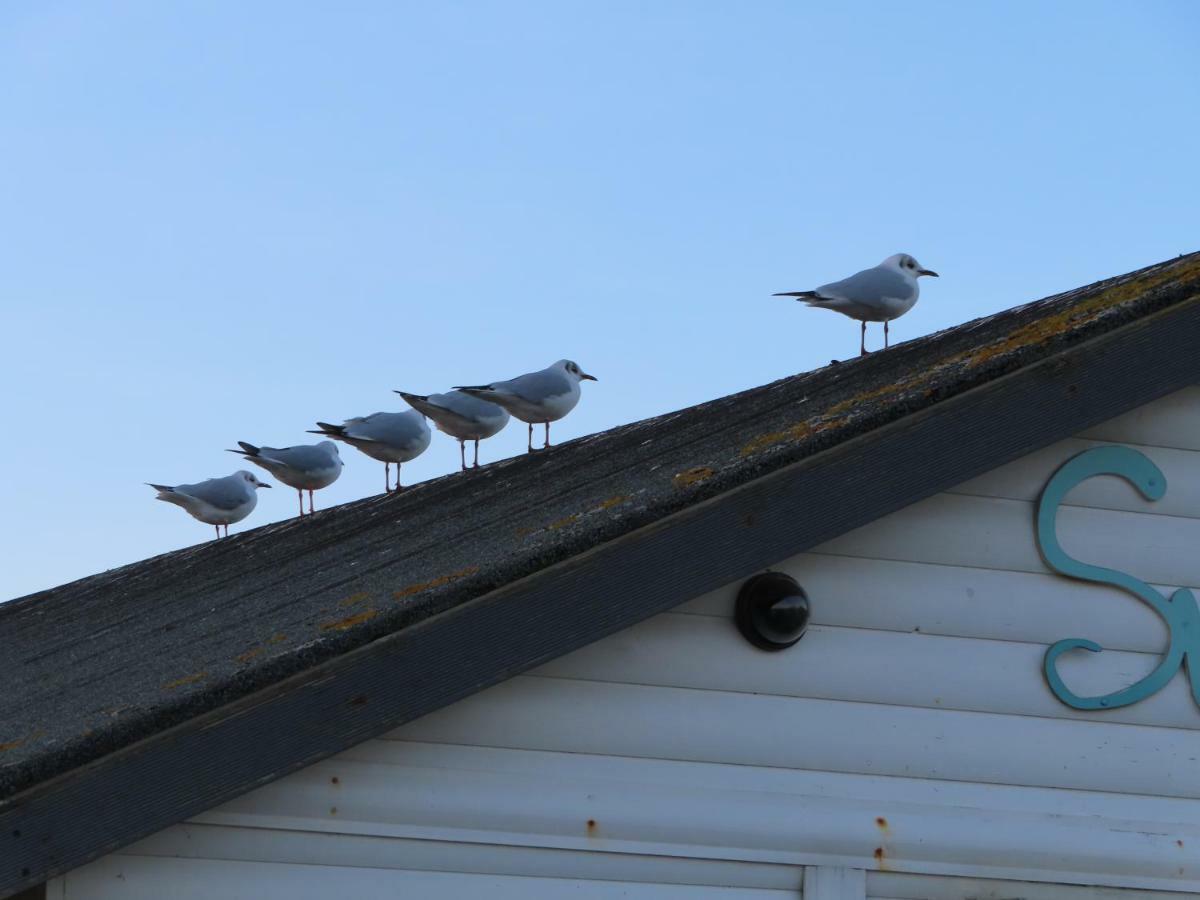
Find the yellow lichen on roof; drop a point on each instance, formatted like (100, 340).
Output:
(692, 476)
(794, 433)
(563, 522)
(350, 621)
(434, 582)
(1079, 314)
(186, 679)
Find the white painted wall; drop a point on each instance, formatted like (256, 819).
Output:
(906, 748)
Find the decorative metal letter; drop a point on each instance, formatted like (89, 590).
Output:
(1179, 612)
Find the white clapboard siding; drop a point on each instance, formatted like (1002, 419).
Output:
(122, 877)
(960, 601)
(320, 843)
(896, 886)
(986, 532)
(835, 883)
(1024, 479)
(725, 726)
(1173, 421)
(702, 811)
(567, 768)
(874, 666)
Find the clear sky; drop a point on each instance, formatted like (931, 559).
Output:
(225, 220)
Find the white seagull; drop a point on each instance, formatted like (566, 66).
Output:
(217, 501)
(388, 437)
(544, 396)
(880, 294)
(307, 467)
(461, 416)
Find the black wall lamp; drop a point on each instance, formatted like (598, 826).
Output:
(772, 611)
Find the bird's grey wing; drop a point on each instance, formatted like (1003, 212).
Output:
(221, 493)
(304, 459)
(870, 286)
(465, 405)
(397, 429)
(536, 386)
(366, 428)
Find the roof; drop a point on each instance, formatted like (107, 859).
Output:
(158, 689)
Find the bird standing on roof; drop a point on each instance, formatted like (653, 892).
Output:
(307, 467)
(217, 501)
(544, 396)
(880, 294)
(388, 437)
(461, 416)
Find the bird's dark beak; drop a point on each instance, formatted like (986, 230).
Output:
(928, 272)
(263, 484)
(586, 377)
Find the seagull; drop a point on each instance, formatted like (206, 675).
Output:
(217, 501)
(544, 396)
(461, 416)
(388, 437)
(308, 467)
(880, 294)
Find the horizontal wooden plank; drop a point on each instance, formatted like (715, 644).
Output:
(886, 667)
(694, 776)
(1025, 478)
(900, 886)
(960, 601)
(834, 883)
(1172, 421)
(199, 840)
(719, 726)
(120, 877)
(693, 811)
(991, 533)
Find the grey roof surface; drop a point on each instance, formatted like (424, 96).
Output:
(98, 664)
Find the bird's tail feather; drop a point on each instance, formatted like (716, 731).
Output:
(327, 429)
(161, 487)
(799, 295)
(418, 402)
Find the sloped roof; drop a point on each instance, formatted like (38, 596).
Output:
(164, 686)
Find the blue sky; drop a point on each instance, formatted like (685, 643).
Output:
(225, 220)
